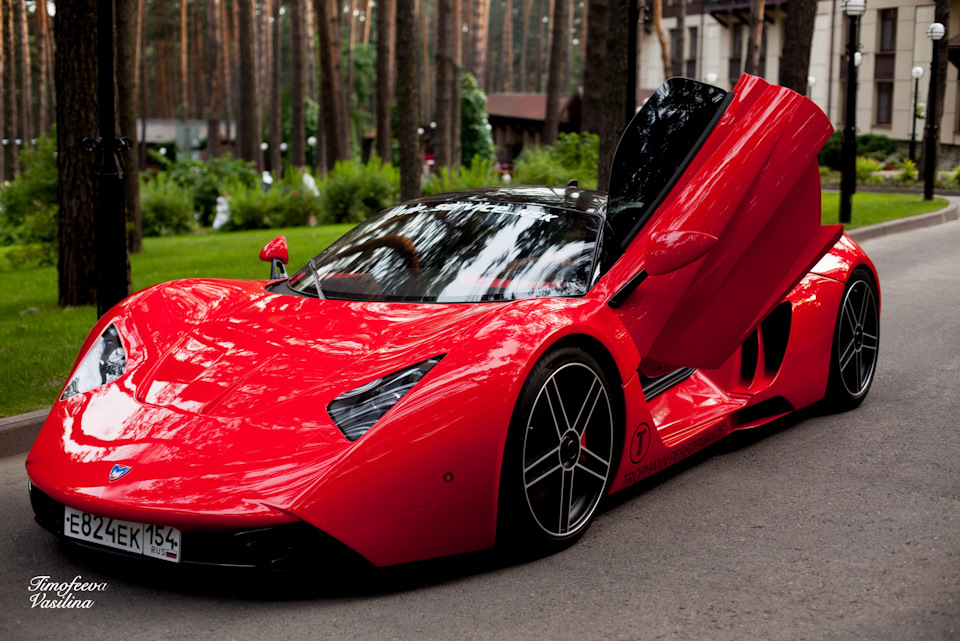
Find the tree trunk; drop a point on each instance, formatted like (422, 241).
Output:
(142, 83)
(276, 135)
(126, 72)
(662, 37)
(199, 86)
(582, 34)
(249, 107)
(478, 39)
(594, 92)
(311, 64)
(754, 37)
(184, 77)
(45, 55)
(3, 90)
(426, 71)
(365, 14)
(941, 15)
(524, 47)
(215, 88)
(298, 135)
(506, 50)
(12, 125)
(76, 82)
(568, 57)
(797, 40)
(27, 123)
(558, 56)
(351, 46)
(42, 19)
(407, 98)
(336, 127)
(265, 49)
(443, 135)
(615, 104)
(538, 57)
(234, 58)
(386, 30)
(455, 87)
(226, 72)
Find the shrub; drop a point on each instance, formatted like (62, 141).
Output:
(28, 206)
(204, 180)
(165, 208)
(352, 192)
(830, 155)
(876, 146)
(908, 171)
(866, 167)
(286, 204)
(480, 173)
(573, 156)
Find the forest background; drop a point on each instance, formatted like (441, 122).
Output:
(353, 90)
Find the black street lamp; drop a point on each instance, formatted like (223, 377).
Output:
(935, 32)
(917, 73)
(848, 158)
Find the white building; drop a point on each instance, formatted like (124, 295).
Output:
(892, 37)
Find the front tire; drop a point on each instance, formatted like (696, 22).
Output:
(856, 342)
(560, 454)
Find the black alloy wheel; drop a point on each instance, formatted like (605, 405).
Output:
(856, 342)
(561, 451)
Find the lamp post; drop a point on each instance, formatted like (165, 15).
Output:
(935, 32)
(848, 160)
(811, 81)
(711, 78)
(917, 73)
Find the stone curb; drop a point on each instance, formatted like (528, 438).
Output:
(17, 433)
(906, 224)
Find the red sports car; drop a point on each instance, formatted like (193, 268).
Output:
(475, 368)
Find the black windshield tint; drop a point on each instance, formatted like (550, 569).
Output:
(657, 144)
(459, 252)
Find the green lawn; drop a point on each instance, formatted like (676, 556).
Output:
(872, 208)
(39, 341)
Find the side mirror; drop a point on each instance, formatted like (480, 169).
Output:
(668, 251)
(275, 253)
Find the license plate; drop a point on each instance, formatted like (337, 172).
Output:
(157, 541)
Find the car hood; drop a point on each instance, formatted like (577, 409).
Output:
(241, 350)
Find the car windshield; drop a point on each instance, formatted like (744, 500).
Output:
(458, 252)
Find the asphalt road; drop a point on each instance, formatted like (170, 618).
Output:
(825, 527)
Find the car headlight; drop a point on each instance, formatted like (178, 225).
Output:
(356, 411)
(105, 362)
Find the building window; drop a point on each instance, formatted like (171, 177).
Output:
(888, 30)
(884, 103)
(692, 55)
(736, 52)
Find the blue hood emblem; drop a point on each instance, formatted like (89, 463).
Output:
(118, 471)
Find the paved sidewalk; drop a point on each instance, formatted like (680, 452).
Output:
(17, 433)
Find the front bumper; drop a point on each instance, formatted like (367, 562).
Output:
(287, 547)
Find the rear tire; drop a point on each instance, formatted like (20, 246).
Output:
(856, 342)
(560, 455)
